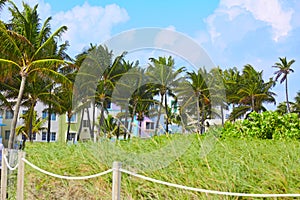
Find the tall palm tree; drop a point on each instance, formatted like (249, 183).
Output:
(164, 79)
(232, 79)
(196, 92)
(217, 85)
(284, 68)
(22, 50)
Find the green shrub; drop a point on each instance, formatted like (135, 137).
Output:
(266, 125)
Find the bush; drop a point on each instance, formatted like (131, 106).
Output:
(266, 125)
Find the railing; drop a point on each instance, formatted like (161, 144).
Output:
(116, 180)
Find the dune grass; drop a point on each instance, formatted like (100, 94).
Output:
(233, 165)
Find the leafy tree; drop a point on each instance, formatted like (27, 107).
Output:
(284, 68)
(22, 51)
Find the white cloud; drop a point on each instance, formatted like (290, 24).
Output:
(89, 24)
(270, 12)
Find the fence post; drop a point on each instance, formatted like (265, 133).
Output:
(3, 175)
(116, 181)
(20, 178)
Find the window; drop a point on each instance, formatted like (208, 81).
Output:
(108, 106)
(149, 125)
(33, 136)
(7, 133)
(85, 123)
(53, 136)
(9, 114)
(45, 115)
(44, 136)
(73, 118)
(71, 136)
(53, 117)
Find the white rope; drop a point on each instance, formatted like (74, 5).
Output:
(207, 191)
(66, 177)
(8, 166)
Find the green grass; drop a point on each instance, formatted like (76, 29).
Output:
(233, 165)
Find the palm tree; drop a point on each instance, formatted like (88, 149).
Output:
(164, 78)
(23, 51)
(2, 3)
(217, 89)
(253, 92)
(284, 68)
(296, 105)
(231, 79)
(281, 108)
(31, 124)
(110, 127)
(196, 91)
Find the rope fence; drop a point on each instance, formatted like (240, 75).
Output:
(117, 170)
(8, 165)
(66, 177)
(205, 190)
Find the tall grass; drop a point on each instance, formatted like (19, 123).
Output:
(233, 165)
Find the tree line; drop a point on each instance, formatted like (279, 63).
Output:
(35, 67)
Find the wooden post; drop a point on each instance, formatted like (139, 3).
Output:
(116, 181)
(20, 178)
(3, 175)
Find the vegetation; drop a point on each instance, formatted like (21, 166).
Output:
(25, 51)
(266, 125)
(234, 165)
(36, 68)
(257, 151)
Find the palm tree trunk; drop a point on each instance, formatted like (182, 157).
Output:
(132, 118)
(49, 117)
(69, 126)
(89, 123)
(252, 103)
(31, 110)
(202, 119)
(140, 128)
(222, 114)
(159, 113)
(49, 123)
(126, 122)
(101, 120)
(16, 114)
(80, 125)
(94, 115)
(287, 96)
(198, 115)
(167, 114)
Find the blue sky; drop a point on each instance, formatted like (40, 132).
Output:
(233, 32)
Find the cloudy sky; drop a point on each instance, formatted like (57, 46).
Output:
(232, 32)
